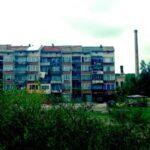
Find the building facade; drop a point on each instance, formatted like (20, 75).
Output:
(73, 71)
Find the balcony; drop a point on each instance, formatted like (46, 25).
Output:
(109, 72)
(97, 72)
(20, 71)
(20, 63)
(21, 54)
(56, 88)
(97, 87)
(33, 63)
(76, 78)
(51, 55)
(32, 72)
(56, 91)
(56, 81)
(45, 63)
(8, 71)
(97, 81)
(8, 80)
(108, 63)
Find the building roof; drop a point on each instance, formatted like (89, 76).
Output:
(20, 47)
(51, 48)
(65, 47)
(11, 47)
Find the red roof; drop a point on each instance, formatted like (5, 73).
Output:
(47, 48)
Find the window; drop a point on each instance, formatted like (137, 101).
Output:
(97, 60)
(45, 87)
(20, 77)
(66, 86)
(21, 59)
(67, 68)
(97, 68)
(86, 77)
(45, 60)
(76, 67)
(86, 59)
(67, 59)
(76, 59)
(97, 86)
(108, 59)
(21, 68)
(56, 68)
(8, 87)
(8, 59)
(33, 87)
(110, 86)
(32, 77)
(85, 68)
(108, 68)
(66, 77)
(1, 57)
(8, 77)
(55, 61)
(32, 59)
(7, 68)
(56, 87)
(33, 68)
(86, 86)
(44, 68)
(56, 78)
(97, 77)
(109, 77)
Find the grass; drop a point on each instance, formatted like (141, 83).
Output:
(102, 116)
(108, 118)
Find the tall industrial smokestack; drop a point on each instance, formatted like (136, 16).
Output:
(121, 70)
(136, 52)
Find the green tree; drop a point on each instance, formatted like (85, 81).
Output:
(137, 84)
(144, 79)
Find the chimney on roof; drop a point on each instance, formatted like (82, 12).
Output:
(52, 45)
(136, 52)
(121, 70)
(101, 46)
(29, 45)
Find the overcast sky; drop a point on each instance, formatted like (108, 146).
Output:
(79, 22)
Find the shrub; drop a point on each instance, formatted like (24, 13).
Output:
(25, 124)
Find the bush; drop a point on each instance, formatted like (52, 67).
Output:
(25, 124)
(120, 114)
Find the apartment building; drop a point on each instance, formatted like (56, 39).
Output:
(19, 66)
(73, 71)
(77, 71)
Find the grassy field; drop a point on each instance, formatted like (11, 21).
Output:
(128, 111)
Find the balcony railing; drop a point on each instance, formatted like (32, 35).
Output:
(97, 81)
(45, 63)
(56, 91)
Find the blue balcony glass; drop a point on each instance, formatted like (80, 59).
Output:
(56, 88)
(97, 87)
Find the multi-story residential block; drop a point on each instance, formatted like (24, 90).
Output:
(19, 65)
(77, 71)
(74, 71)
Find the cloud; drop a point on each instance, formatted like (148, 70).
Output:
(96, 29)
